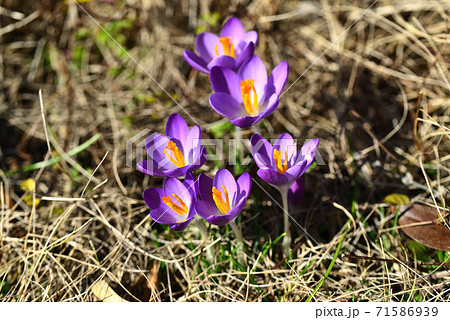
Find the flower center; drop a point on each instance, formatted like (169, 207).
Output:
(227, 46)
(224, 206)
(281, 168)
(247, 86)
(177, 157)
(180, 207)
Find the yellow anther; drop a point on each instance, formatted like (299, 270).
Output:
(223, 205)
(281, 166)
(227, 46)
(247, 86)
(180, 207)
(177, 157)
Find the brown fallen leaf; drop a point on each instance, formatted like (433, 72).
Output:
(421, 223)
(104, 292)
(146, 287)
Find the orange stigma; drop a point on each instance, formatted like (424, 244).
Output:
(227, 45)
(180, 207)
(177, 157)
(281, 168)
(247, 86)
(224, 206)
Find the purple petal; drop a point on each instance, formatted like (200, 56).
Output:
(244, 185)
(180, 226)
(205, 184)
(295, 171)
(272, 177)
(155, 145)
(226, 105)
(195, 61)
(262, 151)
(251, 36)
(278, 78)
(198, 161)
(233, 28)
(247, 52)
(192, 145)
(269, 105)
(222, 61)
(226, 81)
(205, 44)
(146, 167)
(151, 168)
(174, 172)
(177, 128)
(248, 121)
(152, 197)
(164, 216)
(181, 222)
(262, 162)
(254, 69)
(285, 143)
(205, 209)
(245, 122)
(191, 183)
(221, 220)
(173, 186)
(308, 152)
(224, 178)
(269, 109)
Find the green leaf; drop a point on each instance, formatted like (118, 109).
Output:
(219, 130)
(421, 252)
(200, 29)
(77, 56)
(50, 162)
(82, 34)
(443, 256)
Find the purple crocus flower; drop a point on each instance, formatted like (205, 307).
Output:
(173, 204)
(175, 154)
(280, 165)
(222, 198)
(230, 50)
(248, 96)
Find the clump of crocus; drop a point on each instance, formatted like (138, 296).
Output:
(281, 165)
(173, 204)
(248, 96)
(176, 153)
(229, 50)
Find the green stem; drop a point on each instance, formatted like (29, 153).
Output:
(210, 251)
(240, 240)
(287, 238)
(395, 220)
(257, 128)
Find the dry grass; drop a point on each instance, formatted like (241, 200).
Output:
(361, 76)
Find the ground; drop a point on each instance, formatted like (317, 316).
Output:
(368, 78)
